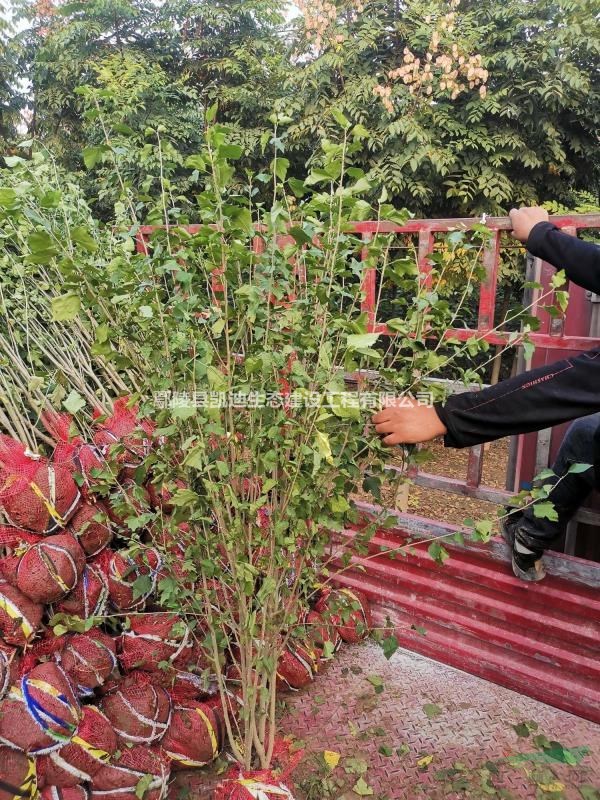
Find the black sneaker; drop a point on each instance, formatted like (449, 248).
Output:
(526, 563)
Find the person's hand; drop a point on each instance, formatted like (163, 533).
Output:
(404, 421)
(525, 219)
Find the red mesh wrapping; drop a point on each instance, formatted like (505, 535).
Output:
(125, 429)
(183, 686)
(125, 502)
(349, 610)
(91, 748)
(20, 617)
(297, 667)
(156, 638)
(41, 651)
(89, 597)
(60, 793)
(71, 450)
(9, 665)
(50, 569)
(91, 527)
(35, 494)
(17, 775)
(88, 659)
(251, 785)
(264, 784)
(124, 568)
(41, 713)
(121, 778)
(195, 737)
(139, 711)
(322, 635)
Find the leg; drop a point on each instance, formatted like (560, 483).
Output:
(528, 534)
(570, 490)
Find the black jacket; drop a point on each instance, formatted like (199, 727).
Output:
(541, 397)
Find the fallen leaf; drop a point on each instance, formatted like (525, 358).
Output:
(425, 761)
(331, 758)
(552, 787)
(362, 788)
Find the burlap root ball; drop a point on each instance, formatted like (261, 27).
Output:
(322, 635)
(349, 610)
(18, 779)
(121, 778)
(124, 435)
(20, 617)
(139, 711)
(297, 667)
(41, 713)
(50, 569)
(154, 640)
(92, 747)
(252, 785)
(124, 568)
(195, 736)
(89, 660)
(89, 598)
(92, 528)
(38, 496)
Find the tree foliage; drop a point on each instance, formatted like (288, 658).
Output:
(531, 137)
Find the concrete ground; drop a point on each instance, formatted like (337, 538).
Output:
(412, 728)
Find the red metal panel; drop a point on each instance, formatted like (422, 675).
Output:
(487, 296)
(542, 640)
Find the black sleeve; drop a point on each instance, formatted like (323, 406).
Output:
(580, 260)
(529, 402)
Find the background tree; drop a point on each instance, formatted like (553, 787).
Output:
(530, 135)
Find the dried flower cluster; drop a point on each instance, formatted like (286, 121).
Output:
(448, 68)
(320, 18)
(44, 9)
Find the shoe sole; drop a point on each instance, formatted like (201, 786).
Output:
(536, 573)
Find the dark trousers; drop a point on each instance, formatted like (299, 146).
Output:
(570, 490)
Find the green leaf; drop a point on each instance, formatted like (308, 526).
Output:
(360, 340)
(7, 197)
(362, 788)
(143, 785)
(146, 312)
(344, 405)
(340, 118)
(43, 247)
(577, 469)
(196, 162)
(432, 710)
(323, 446)
(92, 155)
(211, 113)
(66, 307)
(280, 167)
(389, 645)
(438, 552)
(184, 497)
(74, 402)
(231, 151)
(84, 239)
(300, 236)
(545, 511)
(377, 683)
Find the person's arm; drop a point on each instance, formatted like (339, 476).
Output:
(580, 260)
(529, 402)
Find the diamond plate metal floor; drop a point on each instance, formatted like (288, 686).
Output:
(389, 717)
